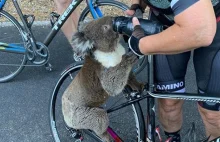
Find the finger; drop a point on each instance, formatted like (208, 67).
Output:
(135, 21)
(129, 12)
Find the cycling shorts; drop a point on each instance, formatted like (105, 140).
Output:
(170, 70)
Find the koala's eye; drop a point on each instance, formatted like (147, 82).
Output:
(105, 27)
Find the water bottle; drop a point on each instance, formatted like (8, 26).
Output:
(123, 25)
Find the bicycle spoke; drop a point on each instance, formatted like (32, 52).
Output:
(121, 113)
(12, 59)
(116, 102)
(11, 37)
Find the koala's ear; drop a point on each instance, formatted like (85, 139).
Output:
(83, 24)
(81, 44)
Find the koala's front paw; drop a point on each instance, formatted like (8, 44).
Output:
(105, 137)
(131, 58)
(128, 60)
(135, 85)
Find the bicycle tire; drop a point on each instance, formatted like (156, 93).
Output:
(143, 61)
(11, 64)
(55, 118)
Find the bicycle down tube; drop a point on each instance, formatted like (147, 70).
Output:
(61, 20)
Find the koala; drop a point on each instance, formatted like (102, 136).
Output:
(106, 71)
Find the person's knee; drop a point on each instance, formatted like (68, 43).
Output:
(169, 105)
(62, 2)
(211, 117)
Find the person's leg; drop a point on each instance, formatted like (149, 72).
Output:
(170, 70)
(211, 120)
(207, 67)
(170, 115)
(70, 25)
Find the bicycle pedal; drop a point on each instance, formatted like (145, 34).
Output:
(53, 18)
(75, 134)
(29, 19)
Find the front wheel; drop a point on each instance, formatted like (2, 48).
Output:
(12, 50)
(125, 120)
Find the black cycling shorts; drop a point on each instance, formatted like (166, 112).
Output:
(170, 70)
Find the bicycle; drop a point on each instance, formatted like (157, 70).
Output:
(126, 105)
(16, 51)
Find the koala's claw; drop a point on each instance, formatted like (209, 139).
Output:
(137, 86)
(128, 60)
(105, 137)
(129, 53)
(132, 58)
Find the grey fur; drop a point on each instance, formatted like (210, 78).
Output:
(95, 83)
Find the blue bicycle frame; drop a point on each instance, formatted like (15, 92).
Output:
(14, 48)
(96, 12)
(2, 3)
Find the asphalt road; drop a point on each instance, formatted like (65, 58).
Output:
(24, 101)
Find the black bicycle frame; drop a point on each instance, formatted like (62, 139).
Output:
(29, 33)
(56, 27)
(151, 100)
(61, 20)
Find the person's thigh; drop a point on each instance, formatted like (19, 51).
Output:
(207, 68)
(63, 2)
(207, 65)
(170, 70)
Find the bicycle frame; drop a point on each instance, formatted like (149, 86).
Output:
(150, 96)
(11, 48)
(96, 13)
(2, 3)
(5, 47)
(61, 20)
